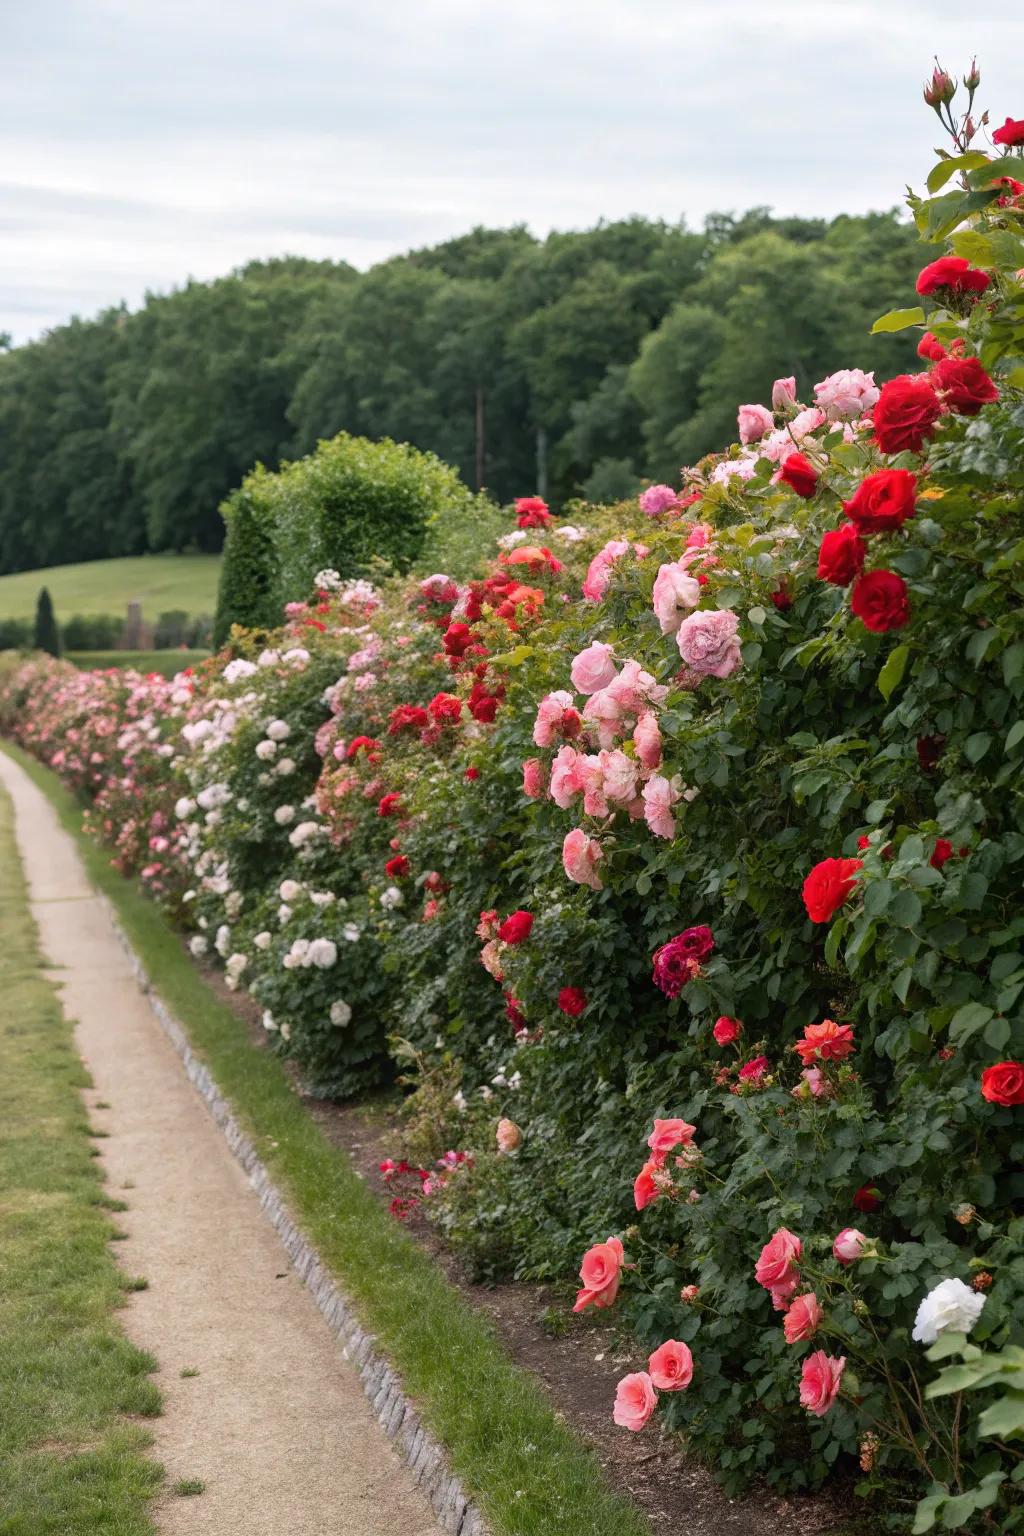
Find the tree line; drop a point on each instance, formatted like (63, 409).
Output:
(574, 365)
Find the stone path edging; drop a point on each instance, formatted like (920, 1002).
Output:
(392, 1409)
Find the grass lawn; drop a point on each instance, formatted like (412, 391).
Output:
(159, 582)
(526, 1469)
(166, 662)
(72, 1463)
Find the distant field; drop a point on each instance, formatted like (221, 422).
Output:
(159, 582)
(165, 662)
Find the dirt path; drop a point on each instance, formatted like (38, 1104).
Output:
(275, 1424)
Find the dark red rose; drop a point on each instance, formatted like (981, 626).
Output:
(572, 1000)
(390, 805)
(882, 501)
(929, 750)
(445, 707)
(952, 272)
(828, 886)
(516, 928)
(457, 637)
(942, 851)
(1011, 133)
(678, 961)
(841, 556)
(514, 1011)
(397, 867)
(964, 385)
(905, 414)
(782, 599)
(407, 717)
(930, 348)
(868, 1198)
(799, 474)
(1003, 1083)
(880, 601)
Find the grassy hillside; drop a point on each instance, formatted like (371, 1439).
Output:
(159, 582)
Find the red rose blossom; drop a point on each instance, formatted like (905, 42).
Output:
(572, 1000)
(799, 474)
(1003, 1083)
(726, 1030)
(471, 773)
(678, 961)
(407, 717)
(841, 556)
(532, 512)
(445, 707)
(828, 886)
(952, 272)
(516, 928)
(929, 749)
(753, 1070)
(456, 639)
(941, 853)
(1011, 133)
(930, 348)
(880, 601)
(905, 414)
(867, 1198)
(964, 385)
(361, 744)
(397, 867)
(390, 805)
(883, 501)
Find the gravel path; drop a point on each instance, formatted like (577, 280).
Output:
(275, 1424)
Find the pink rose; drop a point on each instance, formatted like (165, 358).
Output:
(667, 1135)
(779, 1262)
(846, 395)
(598, 577)
(593, 668)
(490, 959)
(707, 642)
(508, 1135)
(580, 857)
(675, 592)
(782, 1295)
(849, 1245)
(700, 536)
(533, 778)
(566, 777)
(594, 802)
(752, 1071)
(657, 499)
(753, 422)
(726, 1030)
(659, 796)
(803, 1319)
(604, 710)
(783, 393)
(645, 1189)
(635, 1401)
(819, 1382)
(812, 1085)
(619, 774)
(806, 421)
(634, 689)
(647, 741)
(671, 1366)
(556, 717)
(600, 1272)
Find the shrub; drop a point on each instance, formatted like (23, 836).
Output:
(92, 632)
(15, 634)
(249, 593)
(46, 635)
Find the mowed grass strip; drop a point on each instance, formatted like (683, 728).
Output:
(72, 1389)
(159, 582)
(528, 1472)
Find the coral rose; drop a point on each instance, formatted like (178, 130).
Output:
(905, 415)
(534, 778)
(580, 857)
(879, 599)
(841, 555)
(803, 1319)
(644, 1188)
(779, 1261)
(1003, 1083)
(828, 886)
(882, 501)
(667, 1135)
(508, 1135)
(516, 927)
(671, 1366)
(827, 1041)
(952, 272)
(799, 474)
(819, 1382)
(635, 1401)
(600, 1272)
(963, 385)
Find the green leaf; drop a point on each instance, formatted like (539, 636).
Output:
(1005, 1417)
(513, 658)
(906, 909)
(891, 674)
(757, 616)
(939, 174)
(898, 320)
(968, 1020)
(976, 746)
(1014, 736)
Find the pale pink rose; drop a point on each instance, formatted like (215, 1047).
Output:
(779, 1262)
(534, 778)
(707, 642)
(647, 740)
(782, 1295)
(675, 592)
(783, 394)
(604, 711)
(753, 422)
(566, 777)
(849, 1245)
(819, 1382)
(777, 446)
(845, 395)
(593, 668)
(551, 717)
(580, 857)
(508, 1135)
(594, 802)
(600, 1272)
(659, 796)
(671, 1366)
(619, 775)
(669, 1134)
(803, 1319)
(634, 689)
(595, 583)
(490, 959)
(734, 469)
(807, 421)
(641, 551)
(635, 1401)
(813, 1084)
(657, 499)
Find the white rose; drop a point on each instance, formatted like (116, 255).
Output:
(279, 730)
(238, 669)
(284, 912)
(391, 898)
(262, 940)
(284, 814)
(265, 750)
(183, 808)
(323, 953)
(352, 933)
(952, 1307)
(285, 768)
(340, 1013)
(268, 1019)
(222, 943)
(197, 945)
(289, 890)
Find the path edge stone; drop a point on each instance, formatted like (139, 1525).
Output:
(415, 1446)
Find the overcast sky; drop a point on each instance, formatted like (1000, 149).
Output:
(144, 141)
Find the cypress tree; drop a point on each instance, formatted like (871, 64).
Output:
(47, 635)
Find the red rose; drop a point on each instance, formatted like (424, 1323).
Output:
(456, 638)
(868, 1198)
(390, 805)
(397, 867)
(905, 414)
(952, 272)
(782, 599)
(1011, 133)
(828, 886)
(531, 512)
(472, 773)
(942, 851)
(882, 501)
(1004, 1083)
(361, 744)
(407, 716)
(799, 474)
(880, 601)
(930, 348)
(964, 385)
(841, 556)
(516, 928)
(929, 750)
(445, 707)
(514, 1011)
(572, 1000)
